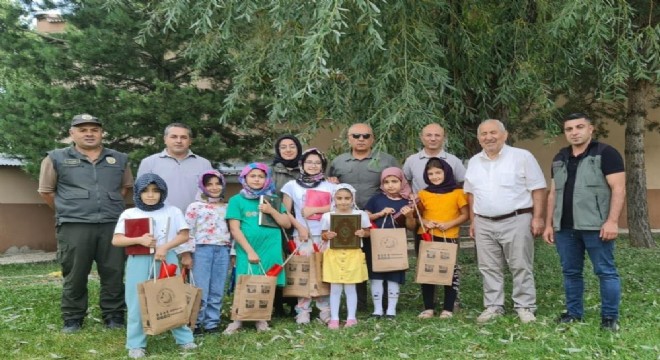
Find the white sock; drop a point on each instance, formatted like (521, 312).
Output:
(377, 296)
(392, 297)
(351, 300)
(335, 300)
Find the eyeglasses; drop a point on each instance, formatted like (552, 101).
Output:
(315, 163)
(364, 136)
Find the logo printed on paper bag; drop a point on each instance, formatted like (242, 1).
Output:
(165, 297)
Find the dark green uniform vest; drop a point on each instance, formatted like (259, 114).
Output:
(86, 192)
(591, 194)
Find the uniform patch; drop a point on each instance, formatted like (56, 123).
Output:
(71, 162)
(111, 160)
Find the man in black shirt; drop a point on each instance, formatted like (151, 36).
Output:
(584, 203)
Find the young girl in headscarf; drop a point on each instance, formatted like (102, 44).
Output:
(389, 209)
(256, 246)
(444, 208)
(309, 197)
(209, 243)
(169, 231)
(344, 268)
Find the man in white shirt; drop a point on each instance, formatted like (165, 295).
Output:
(506, 192)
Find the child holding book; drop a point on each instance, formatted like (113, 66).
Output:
(443, 208)
(209, 243)
(169, 231)
(344, 268)
(256, 246)
(309, 197)
(389, 209)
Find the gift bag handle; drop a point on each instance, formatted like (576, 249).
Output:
(388, 216)
(260, 267)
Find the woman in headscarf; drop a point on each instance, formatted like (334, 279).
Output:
(286, 162)
(309, 197)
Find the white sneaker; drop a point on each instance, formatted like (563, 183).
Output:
(526, 315)
(137, 353)
(188, 346)
(489, 314)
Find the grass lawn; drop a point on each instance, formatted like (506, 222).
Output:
(30, 323)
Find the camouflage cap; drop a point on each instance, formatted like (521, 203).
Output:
(85, 119)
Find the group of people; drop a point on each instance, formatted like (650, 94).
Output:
(502, 193)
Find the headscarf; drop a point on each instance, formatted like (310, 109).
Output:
(269, 186)
(311, 181)
(398, 173)
(291, 164)
(141, 184)
(448, 184)
(342, 186)
(205, 194)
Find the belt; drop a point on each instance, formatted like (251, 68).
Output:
(506, 216)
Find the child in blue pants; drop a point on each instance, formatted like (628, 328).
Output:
(169, 230)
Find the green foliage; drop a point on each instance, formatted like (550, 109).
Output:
(29, 314)
(611, 48)
(136, 89)
(396, 65)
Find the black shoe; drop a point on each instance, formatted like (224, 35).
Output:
(71, 326)
(376, 316)
(198, 331)
(566, 318)
(610, 324)
(212, 330)
(390, 317)
(114, 323)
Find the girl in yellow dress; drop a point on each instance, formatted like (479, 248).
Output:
(344, 268)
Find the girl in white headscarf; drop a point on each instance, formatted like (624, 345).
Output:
(344, 268)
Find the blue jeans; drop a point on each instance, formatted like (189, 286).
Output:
(571, 245)
(210, 267)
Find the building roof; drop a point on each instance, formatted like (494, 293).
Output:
(49, 17)
(8, 160)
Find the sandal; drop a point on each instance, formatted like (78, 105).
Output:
(233, 328)
(261, 325)
(446, 314)
(426, 314)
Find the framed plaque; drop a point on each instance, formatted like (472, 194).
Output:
(345, 226)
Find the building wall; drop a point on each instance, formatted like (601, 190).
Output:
(24, 218)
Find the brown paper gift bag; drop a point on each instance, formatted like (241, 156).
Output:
(389, 249)
(316, 285)
(435, 262)
(297, 276)
(193, 300)
(253, 297)
(163, 304)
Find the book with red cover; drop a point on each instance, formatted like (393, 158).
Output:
(136, 228)
(316, 198)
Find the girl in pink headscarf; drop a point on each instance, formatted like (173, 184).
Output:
(389, 209)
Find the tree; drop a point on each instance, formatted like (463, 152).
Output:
(136, 89)
(615, 48)
(396, 65)
(399, 65)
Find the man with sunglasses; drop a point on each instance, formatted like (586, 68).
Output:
(361, 168)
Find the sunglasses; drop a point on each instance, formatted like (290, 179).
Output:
(364, 136)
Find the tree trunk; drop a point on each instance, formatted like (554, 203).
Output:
(636, 193)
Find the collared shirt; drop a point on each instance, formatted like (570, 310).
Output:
(181, 176)
(503, 185)
(362, 174)
(414, 166)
